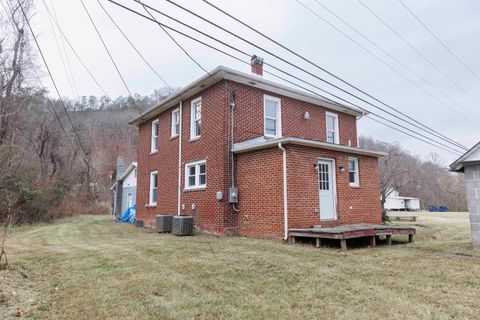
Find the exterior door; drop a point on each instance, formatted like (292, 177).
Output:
(326, 185)
(130, 200)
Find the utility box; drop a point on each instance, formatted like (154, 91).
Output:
(233, 195)
(182, 225)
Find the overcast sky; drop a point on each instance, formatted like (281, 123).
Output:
(457, 24)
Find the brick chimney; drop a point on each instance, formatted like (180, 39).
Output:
(118, 193)
(257, 65)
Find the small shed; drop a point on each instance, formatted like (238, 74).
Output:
(395, 202)
(469, 164)
(125, 188)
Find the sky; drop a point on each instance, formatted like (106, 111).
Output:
(440, 93)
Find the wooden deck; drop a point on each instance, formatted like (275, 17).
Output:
(351, 231)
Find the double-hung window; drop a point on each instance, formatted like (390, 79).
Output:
(175, 123)
(196, 175)
(196, 119)
(154, 137)
(152, 198)
(272, 117)
(332, 128)
(353, 172)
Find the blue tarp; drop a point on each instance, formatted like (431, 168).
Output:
(433, 208)
(129, 215)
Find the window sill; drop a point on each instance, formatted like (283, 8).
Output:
(194, 189)
(194, 139)
(355, 186)
(151, 205)
(174, 137)
(153, 152)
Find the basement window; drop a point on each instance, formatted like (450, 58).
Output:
(196, 175)
(196, 119)
(152, 199)
(175, 123)
(332, 128)
(353, 176)
(154, 137)
(272, 117)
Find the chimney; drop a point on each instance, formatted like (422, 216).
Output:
(118, 193)
(257, 65)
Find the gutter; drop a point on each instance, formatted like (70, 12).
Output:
(179, 195)
(285, 200)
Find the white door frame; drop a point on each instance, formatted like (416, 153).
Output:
(334, 185)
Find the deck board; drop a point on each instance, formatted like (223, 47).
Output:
(351, 231)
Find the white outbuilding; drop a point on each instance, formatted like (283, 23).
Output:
(395, 202)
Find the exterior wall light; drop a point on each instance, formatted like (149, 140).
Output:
(306, 115)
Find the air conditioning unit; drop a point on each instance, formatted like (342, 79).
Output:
(163, 223)
(182, 225)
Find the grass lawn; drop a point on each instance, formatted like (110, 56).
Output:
(88, 267)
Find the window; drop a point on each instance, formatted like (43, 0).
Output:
(196, 119)
(332, 128)
(153, 188)
(196, 175)
(154, 141)
(272, 117)
(353, 177)
(175, 123)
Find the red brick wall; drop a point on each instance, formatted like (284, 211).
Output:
(258, 174)
(249, 117)
(261, 191)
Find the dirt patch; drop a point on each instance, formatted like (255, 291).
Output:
(17, 294)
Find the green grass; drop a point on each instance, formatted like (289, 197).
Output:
(88, 267)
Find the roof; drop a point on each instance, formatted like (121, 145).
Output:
(472, 156)
(221, 73)
(262, 143)
(132, 166)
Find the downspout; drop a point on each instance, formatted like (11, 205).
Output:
(285, 200)
(180, 159)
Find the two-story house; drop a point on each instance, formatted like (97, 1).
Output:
(246, 155)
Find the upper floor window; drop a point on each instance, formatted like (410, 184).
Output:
(353, 176)
(152, 198)
(333, 135)
(154, 139)
(196, 175)
(196, 118)
(272, 117)
(175, 123)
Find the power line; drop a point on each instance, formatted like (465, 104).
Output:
(438, 135)
(175, 41)
(470, 121)
(64, 50)
(75, 52)
(236, 49)
(109, 54)
(56, 87)
(440, 40)
(446, 76)
(134, 47)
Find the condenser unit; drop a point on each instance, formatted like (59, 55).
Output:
(182, 225)
(163, 223)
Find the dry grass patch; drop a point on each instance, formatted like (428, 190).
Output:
(91, 268)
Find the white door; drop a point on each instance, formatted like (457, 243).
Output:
(326, 185)
(130, 200)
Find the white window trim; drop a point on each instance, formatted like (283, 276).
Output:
(357, 172)
(150, 190)
(154, 146)
(278, 128)
(174, 134)
(192, 122)
(197, 175)
(337, 128)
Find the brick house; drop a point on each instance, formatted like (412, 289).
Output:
(246, 155)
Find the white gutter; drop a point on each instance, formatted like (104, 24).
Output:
(180, 159)
(285, 200)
